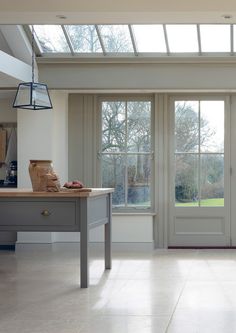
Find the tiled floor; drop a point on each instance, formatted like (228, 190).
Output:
(146, 291)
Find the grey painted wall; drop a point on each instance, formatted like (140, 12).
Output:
(140, 77)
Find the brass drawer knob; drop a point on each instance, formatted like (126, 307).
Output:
(45, 212)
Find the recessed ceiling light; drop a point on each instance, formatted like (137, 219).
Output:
(61, 17)
(227, 16)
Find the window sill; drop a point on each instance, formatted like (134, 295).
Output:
(133, 213)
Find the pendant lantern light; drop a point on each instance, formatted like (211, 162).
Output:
(32, 95)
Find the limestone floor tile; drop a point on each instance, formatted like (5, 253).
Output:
(28, 325)
(145, 291)
(143, 298)
(203, 321)
(98, 324)
(126, 324)
(201, 271)
(182, 326)
(203, 295)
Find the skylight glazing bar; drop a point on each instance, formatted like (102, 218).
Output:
(166, 40)
(231, 39)
(199, 40)
(133, 40)
(100, 40)
(68, 39)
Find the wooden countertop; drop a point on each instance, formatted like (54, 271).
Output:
(91, 192)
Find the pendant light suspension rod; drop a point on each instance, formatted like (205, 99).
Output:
(33, 55)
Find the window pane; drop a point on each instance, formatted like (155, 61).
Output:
(113, 176)
(186, 180)
(139, 126)
(84, 38)
(139, 174)
(113, 126)
(186, 126)
(234, 35)
(149, 38)
(215, 37)
(212, 180)
(51, 38)
(116, 38)
(182, 37)
(212, 126)
(126, 155)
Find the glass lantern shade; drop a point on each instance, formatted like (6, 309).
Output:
(32, 96)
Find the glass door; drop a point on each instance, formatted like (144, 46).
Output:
(199, 212)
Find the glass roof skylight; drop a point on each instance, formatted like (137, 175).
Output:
(136, 40)
(149, 38)
(84, 38)
(182, 38)
(215, 37)
(116, 38)
(51, 38)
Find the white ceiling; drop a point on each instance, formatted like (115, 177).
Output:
(122, 11)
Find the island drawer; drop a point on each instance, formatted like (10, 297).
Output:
(38, 213)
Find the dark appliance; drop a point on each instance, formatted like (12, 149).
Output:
(11, 178)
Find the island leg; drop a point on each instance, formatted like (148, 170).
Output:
(84, 237)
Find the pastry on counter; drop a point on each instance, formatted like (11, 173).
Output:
(74, 184)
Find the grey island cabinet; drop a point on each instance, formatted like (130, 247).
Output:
(24, 210)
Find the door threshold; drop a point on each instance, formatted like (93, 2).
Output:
(200, 247)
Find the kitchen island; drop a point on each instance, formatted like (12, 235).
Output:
(69, 210)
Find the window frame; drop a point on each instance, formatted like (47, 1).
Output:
(199, 97)
(199, 154)
(128, 98)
